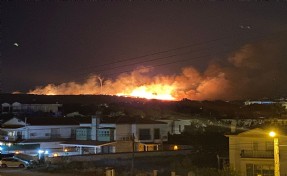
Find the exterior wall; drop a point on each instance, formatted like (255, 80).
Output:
(5, 108)
(119, 156)
(51, 145)
(40, 132)
(18, 107)
(83, 134)
(179, 126)
(162, 127)
(41, 107)
(124, 146)
(176, 126)
(123, 135)
(261, 150)
(261, 162)
(50, 132)
(123, 132)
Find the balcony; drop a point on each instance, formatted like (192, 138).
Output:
(257, 154)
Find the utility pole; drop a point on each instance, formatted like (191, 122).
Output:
(133, 154)
(1, 72)
(276, 157)
(276, 153)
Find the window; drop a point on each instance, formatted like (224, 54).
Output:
(144, 134)
(269, 146)
(156, 134)
(33, 134)
(257, 169)
(249, 169)
(255, 145)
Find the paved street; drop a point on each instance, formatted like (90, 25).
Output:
(25, 172)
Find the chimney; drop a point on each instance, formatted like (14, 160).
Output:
(95, 125)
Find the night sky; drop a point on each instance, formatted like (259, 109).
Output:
(56, 42)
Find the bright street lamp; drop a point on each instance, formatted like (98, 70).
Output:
(276, 153)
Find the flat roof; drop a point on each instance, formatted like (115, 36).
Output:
(86, 143)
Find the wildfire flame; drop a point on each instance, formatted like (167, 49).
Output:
(154, 91)
(189, 84)
(232, 80)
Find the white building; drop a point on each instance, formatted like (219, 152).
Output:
(148, 135)
(18, 108)
(48, 133)
(176, 126)
(103, 135)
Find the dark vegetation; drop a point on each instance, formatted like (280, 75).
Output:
(153, 109)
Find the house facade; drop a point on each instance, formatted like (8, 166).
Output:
(19, 108)
(251, 153)
(47, 133)
(85, 135)
(121, 134)
(177, 126)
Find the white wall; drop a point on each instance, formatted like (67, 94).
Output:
(176, 126)
(163, 131)
(44, 132)
(123, 131)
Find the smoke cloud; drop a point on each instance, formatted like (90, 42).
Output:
(256, 70)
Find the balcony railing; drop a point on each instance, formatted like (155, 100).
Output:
(257, 154)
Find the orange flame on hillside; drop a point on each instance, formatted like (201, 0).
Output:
(263, 60)
(154, 91)
(189, 84)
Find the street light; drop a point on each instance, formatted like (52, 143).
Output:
(276, 153)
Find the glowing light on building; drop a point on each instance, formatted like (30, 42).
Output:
(175, 147)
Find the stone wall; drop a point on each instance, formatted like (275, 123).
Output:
(114, 156)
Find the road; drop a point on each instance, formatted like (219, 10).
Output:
(25, 172)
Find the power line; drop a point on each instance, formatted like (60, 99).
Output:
(155, 53)
(172, 49)
(170, 56)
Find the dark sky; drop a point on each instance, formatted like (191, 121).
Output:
(59, 42)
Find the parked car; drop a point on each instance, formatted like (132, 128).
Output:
(11, 162)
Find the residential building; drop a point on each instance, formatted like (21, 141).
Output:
(48, 133)
(266, 102)
(84, 135)
(121, 134)
(19, 108)
(176, 126)
(251, 153)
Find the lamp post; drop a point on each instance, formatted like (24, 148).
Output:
(276, 153)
